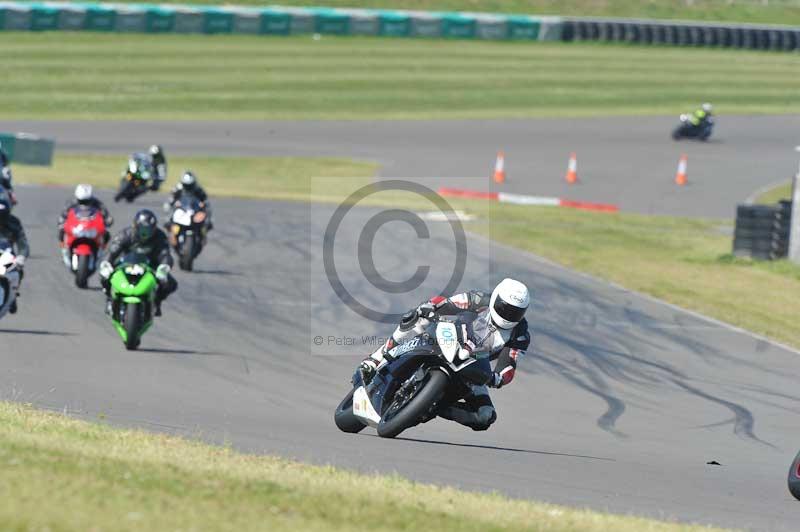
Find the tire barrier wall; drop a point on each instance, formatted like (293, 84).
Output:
(762, 231)
(668, 33)
(273, 20)
(28, 149)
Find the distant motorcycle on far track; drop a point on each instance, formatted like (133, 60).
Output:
(687, 130)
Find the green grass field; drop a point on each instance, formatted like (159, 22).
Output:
(61, 474)
(94, 76)
(681, 260)
(772, 11)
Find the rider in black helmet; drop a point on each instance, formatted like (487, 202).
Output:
(146, 239)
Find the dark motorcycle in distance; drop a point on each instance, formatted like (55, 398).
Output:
(687, 130)
(187, 229)
(136, 181)
(418, 378)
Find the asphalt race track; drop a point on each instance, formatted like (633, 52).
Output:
(630, 161)
(619, 406)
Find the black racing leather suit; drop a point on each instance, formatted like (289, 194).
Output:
(156, 250)
(504, 347)
(11, 231)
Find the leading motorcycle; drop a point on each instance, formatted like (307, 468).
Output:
(85, 235)
(133, 291)
(9, 277)
(428, 372)
(686, 129)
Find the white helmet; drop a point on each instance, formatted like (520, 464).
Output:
(188, 179)
(706, 107)
(84, 192)
(510, 300)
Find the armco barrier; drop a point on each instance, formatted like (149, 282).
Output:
(278, 20)
(273, 20)
(28, 149)
(663, 32)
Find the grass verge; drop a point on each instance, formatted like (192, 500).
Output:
(281, 178)
(775, 11)
(685, 261)
(121, 76)
(775, 194)
(62, 474)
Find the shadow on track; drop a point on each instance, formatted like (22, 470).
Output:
(495, 448)
(35, 332)
(166, 351)
(218, 272)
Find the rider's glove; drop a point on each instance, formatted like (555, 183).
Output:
(167, 206)
(20, 261)
(426, 310)
(106, 269)
(367, 369)
(162, 272)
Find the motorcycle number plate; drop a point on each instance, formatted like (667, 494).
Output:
(362, 407)
(447, 338)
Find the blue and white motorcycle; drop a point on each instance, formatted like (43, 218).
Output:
(418, 377)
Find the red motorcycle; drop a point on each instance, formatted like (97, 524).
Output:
(84, 237)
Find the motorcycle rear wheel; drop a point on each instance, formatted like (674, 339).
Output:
(344, 417)
(429, 392)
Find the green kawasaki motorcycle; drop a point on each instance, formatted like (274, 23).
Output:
(133, 294)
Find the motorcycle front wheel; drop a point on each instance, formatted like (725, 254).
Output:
(405, 412)
(344, 417)
(82, 272)
(133, 325)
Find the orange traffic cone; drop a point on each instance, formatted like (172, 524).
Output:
(680, 176)
(500, 168)
(572, 169)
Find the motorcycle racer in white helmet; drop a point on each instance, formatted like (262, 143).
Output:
(84, 197)
(498, 329)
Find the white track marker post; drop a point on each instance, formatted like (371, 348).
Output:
(794, 232)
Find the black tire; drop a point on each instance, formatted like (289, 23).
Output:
(186, 257)
(344, 417)
(132, 325)
(431, 391)
(676, 134)
(82, 272)
(794, 477)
